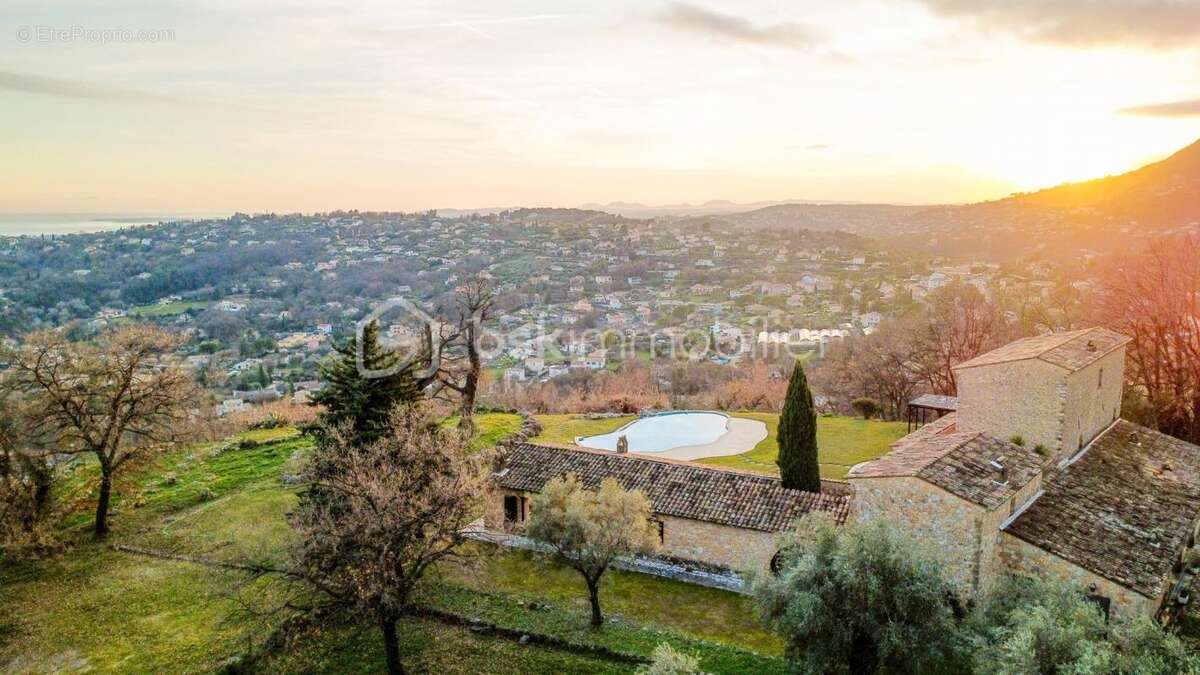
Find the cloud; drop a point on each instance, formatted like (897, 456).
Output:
(1173, 109)
(1083, 23)
(786, 34)
(474, 26)
(86, 91)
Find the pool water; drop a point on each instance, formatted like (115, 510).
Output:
(662, 432)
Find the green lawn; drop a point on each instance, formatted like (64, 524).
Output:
(168, 309)
(430, 647)
(564, 429)
(712, 614)
(490, 428)
(93, 607)
(841, 441)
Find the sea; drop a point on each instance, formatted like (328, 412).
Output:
(16, 224)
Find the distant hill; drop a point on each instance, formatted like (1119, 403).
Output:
(711, 207)
(567, 216)
(1162, 193)
(1099, 215)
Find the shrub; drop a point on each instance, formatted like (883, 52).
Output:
(1036, 625)
(867, 407)
(667, 661)
(272, 420)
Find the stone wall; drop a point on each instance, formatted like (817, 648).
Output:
(948, 525)
(709, 543)
(731, 547)
(1093, 401)
(493, 512)
(990, 565)
(1018, 398)
(1022, 557)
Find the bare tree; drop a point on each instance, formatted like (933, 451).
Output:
(1154, 298)
(476, 302)
(589, 529)
(454, 364)
(959, 324)
(389, 510)
(116, 398)
(883, 366)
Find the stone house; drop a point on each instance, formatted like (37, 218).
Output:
(713, 516)
(1032, 472)
(1036, 472)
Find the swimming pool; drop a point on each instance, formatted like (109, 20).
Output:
(663, 432)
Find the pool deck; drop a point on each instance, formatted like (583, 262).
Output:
(742, 436)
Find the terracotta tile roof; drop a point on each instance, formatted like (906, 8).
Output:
(958, 462)
(1071, 350)
(1122, 510)
(911, 453)
(678, 489)
(967, 470)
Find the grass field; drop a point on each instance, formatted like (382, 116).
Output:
(563, 429)
(93, 607)
(841, 441)
(169, 309)
(490, 429)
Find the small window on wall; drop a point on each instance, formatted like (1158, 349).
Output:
(1100, 380)
(511, 508)
(662, 530)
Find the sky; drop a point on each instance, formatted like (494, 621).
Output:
(213, 106)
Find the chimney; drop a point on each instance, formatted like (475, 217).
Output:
(622, 445)
(1001, 471)
(1091, 345)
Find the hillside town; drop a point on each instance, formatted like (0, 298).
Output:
(636, 337)
(263, 298)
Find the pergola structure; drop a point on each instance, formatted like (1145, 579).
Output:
(928, 407)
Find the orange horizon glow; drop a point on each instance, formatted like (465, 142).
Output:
(273, 107)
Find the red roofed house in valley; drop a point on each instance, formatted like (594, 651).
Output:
(1036, 472)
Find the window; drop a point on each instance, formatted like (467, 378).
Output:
(662, 532)
(1100, 380)
(511, 507)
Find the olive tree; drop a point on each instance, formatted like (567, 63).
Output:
(860, 599)
(1031, 624)
(589, 529)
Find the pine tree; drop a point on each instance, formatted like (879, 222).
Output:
(365, 403)
(798, 465)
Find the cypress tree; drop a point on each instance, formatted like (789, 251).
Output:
(365, 403)
(798, 465)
